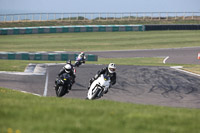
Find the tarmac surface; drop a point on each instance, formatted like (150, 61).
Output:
(176, 55)
(136, 84)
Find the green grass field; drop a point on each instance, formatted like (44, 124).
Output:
(32, 114)
(100, 41)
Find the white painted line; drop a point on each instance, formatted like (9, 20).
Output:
(178, 68)
(46, 83)
(164, 61)
(31, 93)
(54, 64)
(20, 73)
(189, 72)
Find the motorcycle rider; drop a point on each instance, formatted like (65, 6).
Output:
(73, 68)
(81, 57)
(68, 68)
(108, 71)
(70, 63)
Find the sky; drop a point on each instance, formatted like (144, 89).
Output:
(65, 6)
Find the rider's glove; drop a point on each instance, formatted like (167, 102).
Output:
(91, 80)
(106, 91)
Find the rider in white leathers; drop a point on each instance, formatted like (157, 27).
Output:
(108, 71)
(82, 57)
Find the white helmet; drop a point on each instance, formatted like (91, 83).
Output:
(111, 68)
(67, 68)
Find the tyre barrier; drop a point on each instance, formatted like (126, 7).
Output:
(66, 29)
(44, 56)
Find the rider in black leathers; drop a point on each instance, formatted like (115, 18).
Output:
(68, 68)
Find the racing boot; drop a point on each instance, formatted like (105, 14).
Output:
(91, 81)
(70, 87)
(88, 87)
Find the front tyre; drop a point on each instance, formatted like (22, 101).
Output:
(93, 94)
(60, 91)
(77, 64)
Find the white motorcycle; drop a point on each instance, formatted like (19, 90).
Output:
(79, 61)
(98, 87)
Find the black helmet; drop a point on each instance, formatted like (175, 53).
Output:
(69, 62)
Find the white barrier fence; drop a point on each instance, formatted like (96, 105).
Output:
(100, 16)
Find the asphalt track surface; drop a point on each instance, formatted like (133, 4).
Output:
(176, 55)
(136, 84)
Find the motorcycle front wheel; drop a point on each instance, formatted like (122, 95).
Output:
(60, 91)
(77, 64)
(96, 94)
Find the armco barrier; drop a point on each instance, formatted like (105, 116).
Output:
(44, 56)
(172, 27)
(65, 29)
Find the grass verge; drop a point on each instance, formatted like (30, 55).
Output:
(192, 68)
(100, 41)
(29, 113)
(20, 65)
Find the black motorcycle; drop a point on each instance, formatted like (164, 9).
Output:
(63, 84)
